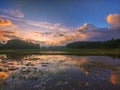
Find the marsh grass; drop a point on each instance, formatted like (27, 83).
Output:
(110, 52)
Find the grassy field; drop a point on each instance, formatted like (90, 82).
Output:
(112, 52)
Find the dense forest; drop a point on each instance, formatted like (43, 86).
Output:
(114, 43)
(19, 44)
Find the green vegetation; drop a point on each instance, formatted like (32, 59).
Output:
(102, 52)
(96, 44)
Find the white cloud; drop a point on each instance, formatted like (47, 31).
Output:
(86, 26)
(17, 13)
(13, 13)
(47, 25)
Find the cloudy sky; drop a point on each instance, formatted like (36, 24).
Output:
(57, 22)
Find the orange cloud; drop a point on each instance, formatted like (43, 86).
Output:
(7, 35)
(5, 22)
(114, 20)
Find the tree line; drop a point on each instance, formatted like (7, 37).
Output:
(113, 43)
(19, 44)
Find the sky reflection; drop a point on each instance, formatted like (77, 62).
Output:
(49, 70)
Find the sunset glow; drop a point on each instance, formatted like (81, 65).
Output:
(59, 22)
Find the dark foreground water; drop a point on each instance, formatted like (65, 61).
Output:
(59, 72)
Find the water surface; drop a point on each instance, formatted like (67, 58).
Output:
(59, 72)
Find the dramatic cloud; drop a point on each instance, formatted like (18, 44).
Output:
(86, 27)
(60, 35)
(98, 34)
(114, 20)
(4, 22)
(13, 25)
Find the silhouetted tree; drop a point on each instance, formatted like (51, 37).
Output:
(20, 44)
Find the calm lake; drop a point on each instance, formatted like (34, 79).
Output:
(59, 72)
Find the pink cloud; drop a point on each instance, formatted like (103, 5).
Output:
(113, 20)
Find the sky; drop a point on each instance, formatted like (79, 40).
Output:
(58, 22)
